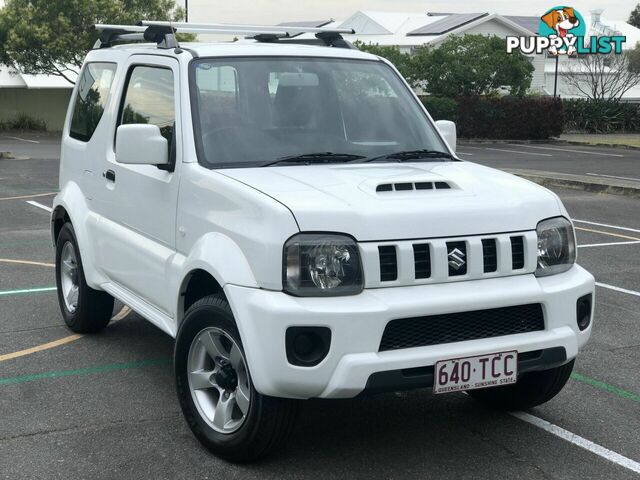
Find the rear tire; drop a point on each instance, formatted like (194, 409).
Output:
(84, 309)
(209, 345)
(532, 389)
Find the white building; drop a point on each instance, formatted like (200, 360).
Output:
(43, 97)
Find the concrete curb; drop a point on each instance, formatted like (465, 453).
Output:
(587, 144)
(579, 182)
(489, 141)
(554, 141)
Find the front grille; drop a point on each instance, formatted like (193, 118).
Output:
(460, 327)
(388, 263)
(422, 260)
(489, 255)
(440, 260)
(517, 252)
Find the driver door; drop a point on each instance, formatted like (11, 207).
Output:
(137, 203)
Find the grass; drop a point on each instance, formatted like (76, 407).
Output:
(628, 139)
(24, 122)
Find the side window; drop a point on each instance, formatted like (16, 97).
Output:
(149, 98)
(94, 86)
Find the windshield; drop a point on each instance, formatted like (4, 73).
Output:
(253, 111)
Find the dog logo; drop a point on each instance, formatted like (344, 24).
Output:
(563, 31)
(563, 22)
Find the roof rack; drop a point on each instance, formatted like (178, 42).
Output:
(163, 33)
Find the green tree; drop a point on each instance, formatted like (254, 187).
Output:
(53, 37)
(634, 16)
(402, 61)
(470, 65)
(461, 66)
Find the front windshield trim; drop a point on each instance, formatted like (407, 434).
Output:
(195, 104)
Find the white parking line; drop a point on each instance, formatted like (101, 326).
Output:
(613, 176)
(606, 225)
(579, 441)
(39, 205)
(21, 139)
(516, 151)
(618, 289)
(610, 244)
(568, 150)
(464, 153)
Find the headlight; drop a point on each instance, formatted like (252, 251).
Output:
(322, 264)
(556, 246)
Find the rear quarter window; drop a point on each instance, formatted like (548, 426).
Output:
(94, 88)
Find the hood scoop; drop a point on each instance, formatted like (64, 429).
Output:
(408, 186)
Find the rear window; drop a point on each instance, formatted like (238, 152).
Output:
(94, 87)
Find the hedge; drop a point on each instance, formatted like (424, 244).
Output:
(23, 122)
(513, 118)
(601, 117)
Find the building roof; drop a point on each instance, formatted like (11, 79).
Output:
(530, 23)
(447, 23)
(11, 77)
(307, 23)
(401, 29)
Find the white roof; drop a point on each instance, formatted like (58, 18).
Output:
(241, 48)
(11, 77)
(375, 22)
(385, 28)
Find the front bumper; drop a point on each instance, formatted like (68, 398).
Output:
(357, 324)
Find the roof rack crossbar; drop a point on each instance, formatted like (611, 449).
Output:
(242, 28)
(110, 34)
(163, 33)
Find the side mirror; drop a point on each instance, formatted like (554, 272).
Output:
(448, 130)
(141, 144)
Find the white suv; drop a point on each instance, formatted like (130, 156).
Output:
(294, 218)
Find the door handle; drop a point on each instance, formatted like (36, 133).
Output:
(109, 175)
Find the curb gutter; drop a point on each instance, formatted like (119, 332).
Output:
(580, 182)
(553, 141)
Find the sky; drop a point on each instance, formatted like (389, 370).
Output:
(276, 11)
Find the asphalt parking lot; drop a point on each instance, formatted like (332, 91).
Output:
(596, 162)
(104, 406)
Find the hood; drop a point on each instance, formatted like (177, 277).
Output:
(376, 202)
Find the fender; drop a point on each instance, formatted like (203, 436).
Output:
(218, 255)
(74, 202)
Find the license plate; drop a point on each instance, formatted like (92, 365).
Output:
(481, 371)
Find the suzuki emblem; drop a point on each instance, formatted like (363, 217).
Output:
(456, 259)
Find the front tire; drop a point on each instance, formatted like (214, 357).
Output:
(218, 399)
(531, 390)
(84, 309)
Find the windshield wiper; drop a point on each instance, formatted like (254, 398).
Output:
(320, 157)
(408, 155)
